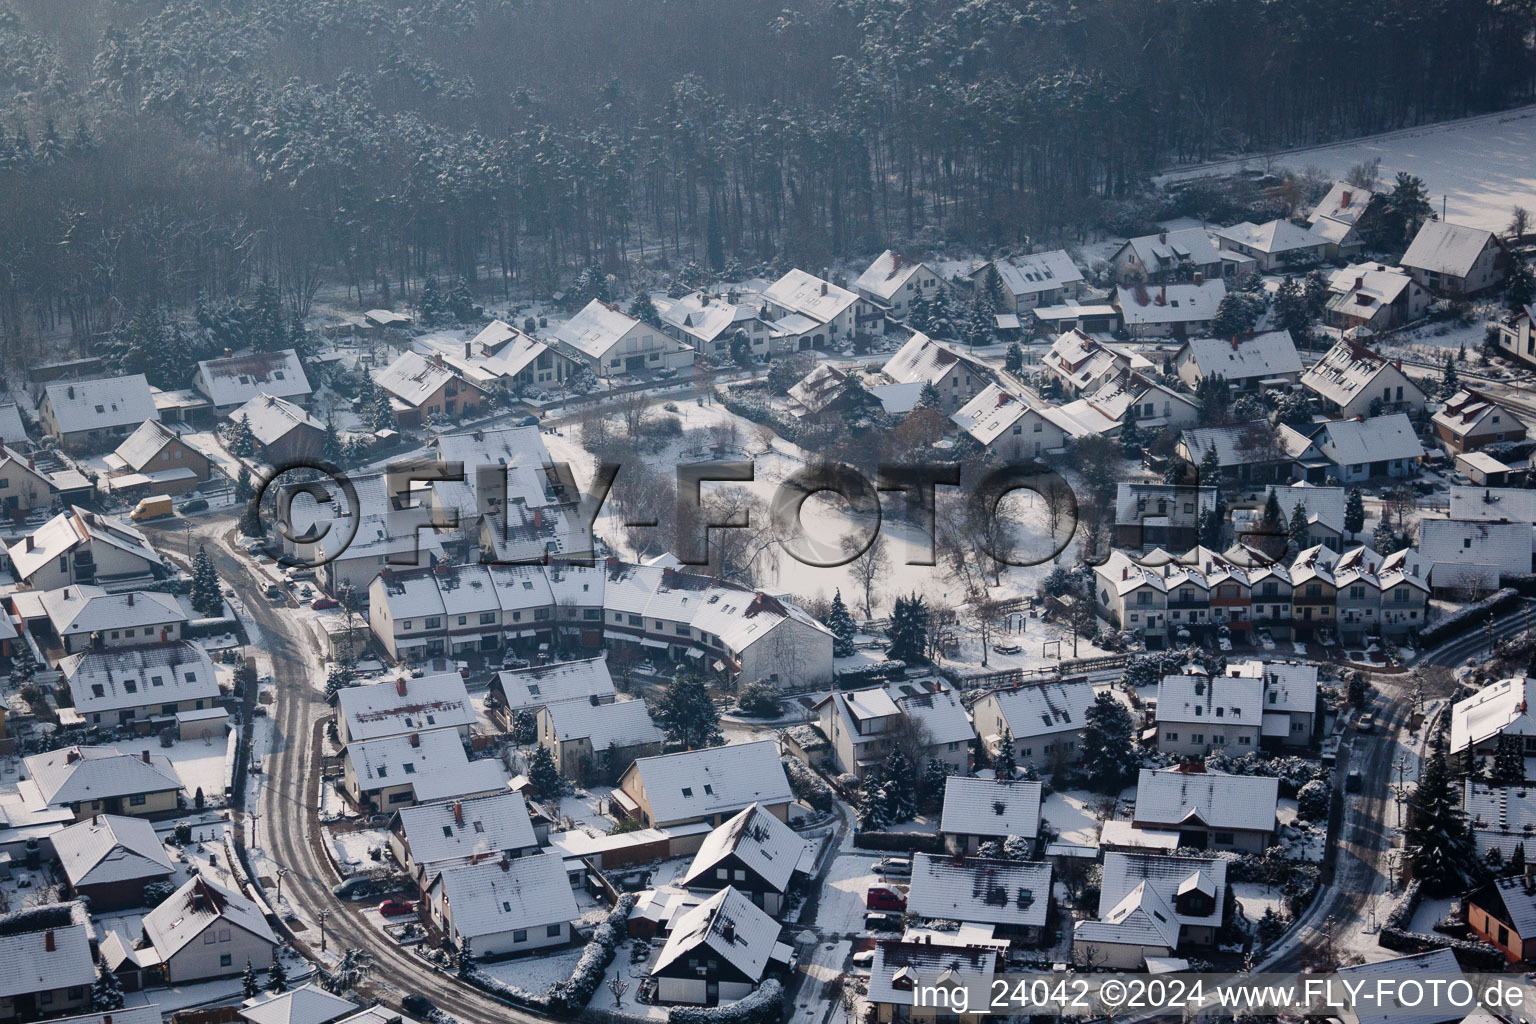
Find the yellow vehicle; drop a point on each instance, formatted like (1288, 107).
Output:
(152, 508)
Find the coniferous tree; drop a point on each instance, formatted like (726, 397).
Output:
(1450, 380)
(243, 489)
(330, 446)
(1439, 844)
(277, 979)
(1508, 760)
(340, 676)
(1013, 359)
(909, 629)
(931, 783)
(107, 991)
(929, 397)
(1272, 521)
(1108, 750)
(1005, 762)
(900, 786)
(1130, 434)
(266, 330)
(525, 727)
(242, 443)
(840, 622)
(1520, 289)
(1354, 512)
(644, 310)
(249, 983)
(206, 595)
(250, 520)
(687, 715)
(872, 810)
(1210, 468)
(1298, 526)
(1517, 860)
(544, 775)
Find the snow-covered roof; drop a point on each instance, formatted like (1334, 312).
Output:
(1082, 359)
(1497, 708)
(272, 418)
(884, 277)
(71, 528)
(115, 678)
(101, 404)
(235, 380)
(539, 685)
(1346, 370)
(139, 447)
(188, 911)
(1200, 700)
(463, 829)
(1445, 248)
(402, 759)
(497, 896)
(897, 967)
(308, 1004)
(1165, 250)
(125, 1015)
(1275, 236)
(414, 378)
(1170, 876)
(1289, 686)
(1246, 357)
(46, 948)
(1181, 504)
(1519, 910)
(990, 807)
(698, 783)
(939, 712)
(991, 412)
(1126, 834)
(728, 924)
(72, 775)
(1502, 817)
(622, 723)
(1343, 204)
(1170, 303)
(110, 848)
(808, 295)
(1464, 552)
(82, 608)
(1377, 439)
(1361, 288)
(1037, 272)
(758, 840)
(1141, 917)
(817, 389)
(1466, 410)
(12, 430)
(925, 361)
(481, 777)
(1234, 444)
(596, 329)
(1493, 504)
(1003, 892)
(1436, 963)
(1038, 709)
(1323, 505)
(1170, 797)
(437, 701)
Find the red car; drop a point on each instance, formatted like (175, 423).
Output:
(320, 603)
(883, 897)
(396, 908)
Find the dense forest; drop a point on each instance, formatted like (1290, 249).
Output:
(165, 152)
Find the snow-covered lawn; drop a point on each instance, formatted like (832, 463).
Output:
(353, 849)
(1255, 898)
(1073, 813)
(200, 766)
(534, 974)
(1481, 166)
(584, 806)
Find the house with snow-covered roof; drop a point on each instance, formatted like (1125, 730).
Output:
(1249, 453)
(1516, 337)
(593, 738)
(47, 963)
(936, 712)
(1502, 817)
(1038, 279)
(1166, 256)
(101, 780)
(204, 930)
(1043, 721)
(1275, 244)
(1011, 426)
(718, 952)
(1209, 809)
(83, 616)
(78, 546)
(231, 381)
(1470, 420)
(109, 859)
(1375, 296)
(1454, 259)
(1168, 310)
(153, 682)
(307, 1004)
(404, 705)
(155, 460)
(924, 361)
(417, 768)
(86, 414)
(1471, 556)
(1378, 446)
(831, 315)
(422, 388)
(612, 343)
(1289, 699)
(428, 839)
(23, 487)
(709, 324)
(1155, 515)
(754, 853)
(528, 689)
(1082, 364)
(893, 282)
(1503, 912)
(1152, 905)
(504, 905)
(1339, 216)
(862, 726)
(1351, 380)
(1012, 896)
(1197, 714)
(1498, 709)
(1249, 362)
(978, 811)
(708, 785)
(900, 967)
(503, 356)
(283, 429)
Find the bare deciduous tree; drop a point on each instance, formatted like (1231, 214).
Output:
(869, 569)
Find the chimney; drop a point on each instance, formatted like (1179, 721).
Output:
(437, 359)
(467, 350)
(228, 352)
(538, 517)
(415, 742)
(727, 932)
(71, 391)
(48, 942)
(72, 756)
(458, 813)
(1398, 362)
(31, 543)
(146, 757)
(1359, 283)
(1199, 277)
(823, 287)
(1344, 200)
(130, 599)
(506, 861)
(400, 686)
(1162, 296)
(31, 463)
(1125, 572)
(1162, 237)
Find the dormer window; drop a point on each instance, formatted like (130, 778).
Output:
(688, 791)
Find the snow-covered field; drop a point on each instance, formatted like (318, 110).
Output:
(1480, 166)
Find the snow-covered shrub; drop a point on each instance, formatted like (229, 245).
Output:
(502, 990)
(569, 997)
(764, 1006)
(809, 788)
(1312, 801)
(1468, 618)
(901, 842)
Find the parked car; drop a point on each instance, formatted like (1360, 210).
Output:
(195, 505)
(893, 866)
(397, 908)
(355, 889)
(1353, 782)
(875, 921)
(418, 1006)
(274, 592)
(1367, 722)
(528, 421)
(883, 897)
(322, 603)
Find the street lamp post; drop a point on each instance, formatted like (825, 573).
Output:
(322, 915)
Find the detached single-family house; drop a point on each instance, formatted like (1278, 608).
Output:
(1043, 721)
(1289, 699)
(23, 487)
(47, 963)
(1011, 426)
(1360, 449)
(1209, 809)
(614, 344)
(1149, 515)
(588, 734)
(1012, 896)
(1082, 364)
(155, 460)
(1128, 396)
(718, 951)
(504, 905)
(282, 429)
(307, 1004)
(754, 853)
(432, 838)
(709, 785)
(116, 686)
(1039, 279)
(978, 811)
(436, 701)
(230, 382)
(820, 314)
(1168, 310)
(77, 546)
(959, 378)
(85, 415)
(1470, 420)
(1197, 714)
(1340, 217)
(1166, 256)
(937, 713)
(109, 859)
(1323, 507)
(1275, 244)
(894, 282)
(1468, 556)
(1517, 339)
(1455, 260)
(101, 780)
(898, 966)
(1250, 362)
(84, 617)
(528, 689)
(709, 324)
(204, 930)
(12, 430)
(1247, 453)
(1351, 380)
(423, 388)
(502, 355)
(398, 771)
(1502, 817)
(1503, 912)
(1373, 295)
(1152, 906)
